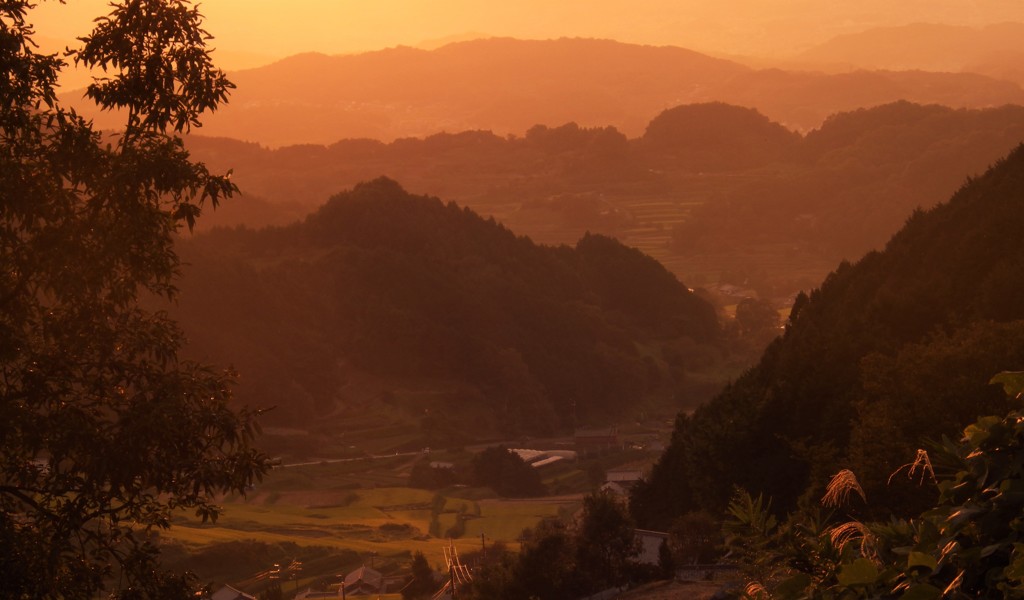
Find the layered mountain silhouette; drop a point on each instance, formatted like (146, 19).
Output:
(507, 86)
(715, 192)
(994, 50)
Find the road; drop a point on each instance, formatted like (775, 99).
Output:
(327, 461)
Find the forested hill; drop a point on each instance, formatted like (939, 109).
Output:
(415, 294)
(717, 193)
(883, 354)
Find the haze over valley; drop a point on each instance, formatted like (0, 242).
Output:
(606, 302)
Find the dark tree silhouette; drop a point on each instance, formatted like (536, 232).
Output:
(422, 584)
(106, 432)
(503, 470)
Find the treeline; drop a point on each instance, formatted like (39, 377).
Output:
(744, 193)
(409, 293)
(888, 351)
(496, 467)
(595, 552)
(845, 188)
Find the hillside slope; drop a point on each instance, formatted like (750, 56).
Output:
(427, 300)
(877, 358)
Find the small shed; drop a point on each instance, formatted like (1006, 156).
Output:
(650, 545)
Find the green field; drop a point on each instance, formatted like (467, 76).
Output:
(390, 521)
(314, 512)
(337, 512)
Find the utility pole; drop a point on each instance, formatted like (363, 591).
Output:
(296, 571)
(451, 568)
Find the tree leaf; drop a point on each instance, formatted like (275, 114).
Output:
(1015, 570)
(922, 591)
(922, 559)
(1012, 382)
(793, 587)
(860, 572)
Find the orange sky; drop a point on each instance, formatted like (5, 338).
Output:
(251, 32)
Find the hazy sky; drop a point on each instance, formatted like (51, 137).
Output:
(249, 32)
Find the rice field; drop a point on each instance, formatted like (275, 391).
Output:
(298, 506)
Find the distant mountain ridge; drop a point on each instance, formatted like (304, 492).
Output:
(506, 86)
(993, 50)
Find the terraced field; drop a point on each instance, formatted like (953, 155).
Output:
(318, 513)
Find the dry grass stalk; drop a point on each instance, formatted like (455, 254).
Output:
(954, 585)
(839, 489)
(948, 549)
(922, 465)
(756, 591)
(842, 535)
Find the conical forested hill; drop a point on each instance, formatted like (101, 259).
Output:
(882, 355)
(417, 293)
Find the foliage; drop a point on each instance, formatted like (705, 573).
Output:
(546, 565)
(106, 431)
(606, 542)
(273, 592)
(714, 136)
(506, 473)
(934, 300)
(493, 575)
(634, 284)
(558, 561)
(757, 317)
(945, 369)
(969, 544)
(422, 582)
(428, 477)
(694, 538)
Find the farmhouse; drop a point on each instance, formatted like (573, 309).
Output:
(364, 581)
(627, 478)
(229, 593)
(311, 595)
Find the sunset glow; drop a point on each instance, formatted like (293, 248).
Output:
(250, 32)
(306, 299)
